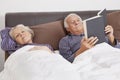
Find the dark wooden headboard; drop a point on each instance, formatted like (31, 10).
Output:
(34, 18)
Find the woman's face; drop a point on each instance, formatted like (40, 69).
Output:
(22, 36)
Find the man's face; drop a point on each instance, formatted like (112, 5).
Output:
(22, 36)
(75, 25)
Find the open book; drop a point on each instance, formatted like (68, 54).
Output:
(95, 26)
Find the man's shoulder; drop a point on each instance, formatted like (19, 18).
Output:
(65, 38)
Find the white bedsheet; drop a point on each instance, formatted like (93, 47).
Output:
(99, 63)
(37, 65)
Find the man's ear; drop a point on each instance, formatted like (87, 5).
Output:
(68, 29)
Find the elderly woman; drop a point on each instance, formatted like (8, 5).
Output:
(21, 36)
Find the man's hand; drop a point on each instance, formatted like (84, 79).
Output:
(109, 32)
(86, 44)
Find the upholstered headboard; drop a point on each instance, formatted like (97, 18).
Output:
(51, 23)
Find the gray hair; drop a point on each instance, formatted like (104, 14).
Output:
(20, 26)
(71, 14)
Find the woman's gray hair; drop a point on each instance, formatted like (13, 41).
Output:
(20, 26)
(71, 14)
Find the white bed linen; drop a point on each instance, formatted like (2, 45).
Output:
(99, 63)
(37, 65)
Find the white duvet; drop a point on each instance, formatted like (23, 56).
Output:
(99, 63)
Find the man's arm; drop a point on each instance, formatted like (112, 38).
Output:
(65, 50)
(86, 44)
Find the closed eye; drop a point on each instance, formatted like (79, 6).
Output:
(17, 35)
(23, 31)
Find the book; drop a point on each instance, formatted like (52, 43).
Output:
(104, 14)
(95, 26)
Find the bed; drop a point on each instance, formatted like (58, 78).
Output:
(102, 62)
(51, 24)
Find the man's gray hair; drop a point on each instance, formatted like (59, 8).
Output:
(20, 26)
(71, 14)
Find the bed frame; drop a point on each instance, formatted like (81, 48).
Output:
(34, 18)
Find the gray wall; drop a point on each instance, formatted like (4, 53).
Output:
(1, 58)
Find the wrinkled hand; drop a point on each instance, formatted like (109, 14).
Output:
(109, 30)
(88, 43)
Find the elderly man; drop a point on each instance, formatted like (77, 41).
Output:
(75, 43)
